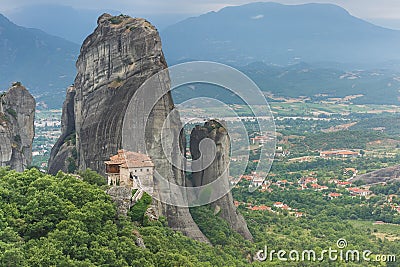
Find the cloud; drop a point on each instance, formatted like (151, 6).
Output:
(257, 17)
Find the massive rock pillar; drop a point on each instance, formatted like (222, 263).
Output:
(17, 114)
(218, 169)
(115, 60)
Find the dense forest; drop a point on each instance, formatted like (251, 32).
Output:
(65, 221)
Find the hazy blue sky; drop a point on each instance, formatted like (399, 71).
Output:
(375, 9)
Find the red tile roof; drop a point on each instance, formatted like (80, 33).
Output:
(358, 190)
(344, 183)
(130, 159)
(261, 207)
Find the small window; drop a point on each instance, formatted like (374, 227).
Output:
(135, 170)
(141, 170)
(148, 170)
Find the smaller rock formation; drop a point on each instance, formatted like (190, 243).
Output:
(63, 155)
(382, 175)
(219, 167)
(17, 114)
(151, 213)
(139, 239)
(140, 243)
(122, 196)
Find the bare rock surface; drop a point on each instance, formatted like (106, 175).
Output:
(224, 206)
(17, 114)
(381, 175)
(122, 196)
(115, 60)
(64, 151)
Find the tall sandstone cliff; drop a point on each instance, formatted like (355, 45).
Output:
(17, 113)
(115, 60)
(219, 168)
(63, 155)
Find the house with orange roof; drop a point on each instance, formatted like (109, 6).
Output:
(307, 180)
(355, 191)
(343, 183)
(247, 177)
(260, 140)
(258, 179)
(261, 207)
(315, 186)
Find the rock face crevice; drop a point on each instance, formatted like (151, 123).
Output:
(219, 168)
(63, 152)
(17, 114)
(115, 60)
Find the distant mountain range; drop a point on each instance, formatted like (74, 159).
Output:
(75, 24)
(42, 62)
(281, 34)
(267, 41)
(305, 80)
(377, 86)
(58, 20)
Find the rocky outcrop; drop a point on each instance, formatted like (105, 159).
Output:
(139, 239)
(115, 60)
(17, 113)
(63, 156)
(214, 164)
(122, 196)
(383, 175)
(140, 243)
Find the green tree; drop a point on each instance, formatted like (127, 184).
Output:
(92, 177)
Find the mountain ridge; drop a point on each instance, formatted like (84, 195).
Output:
(279, 34)
(41, 61)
